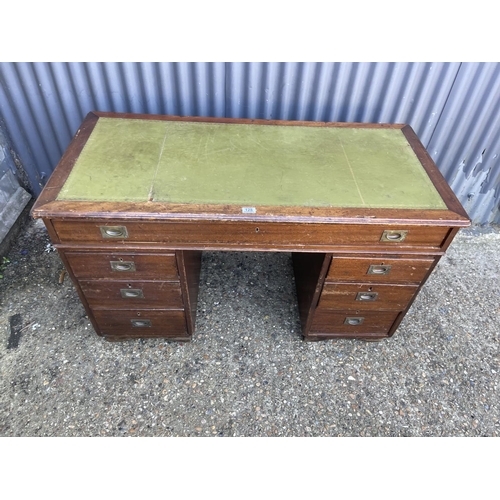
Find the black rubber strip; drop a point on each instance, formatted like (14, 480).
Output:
(16, 324)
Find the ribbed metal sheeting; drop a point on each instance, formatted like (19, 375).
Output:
(453, 107)
(466, 143)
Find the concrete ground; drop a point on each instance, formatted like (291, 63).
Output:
(247, 372)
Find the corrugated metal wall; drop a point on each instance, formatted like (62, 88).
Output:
(453, 107)
(466, 142)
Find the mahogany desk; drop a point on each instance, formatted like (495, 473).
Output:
(135, 200)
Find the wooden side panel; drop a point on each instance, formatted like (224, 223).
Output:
(309, 270)
(189, 263)
(78, 288)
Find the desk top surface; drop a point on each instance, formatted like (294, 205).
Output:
(138, 160)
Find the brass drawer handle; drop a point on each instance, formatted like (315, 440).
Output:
(367, 296)
(393, 236)
(114, 231)
(379, 270)
(141, 323)
(132, 293)
(122, 266)
(353, 321)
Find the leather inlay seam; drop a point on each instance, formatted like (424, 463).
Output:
(352, 173)
(151, 190)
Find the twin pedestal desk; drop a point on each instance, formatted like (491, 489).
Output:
(135, 200)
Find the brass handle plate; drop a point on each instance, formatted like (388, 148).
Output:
(122, 266)
(353, 321)
(379, 269)
(367, 296)
(393, 236)
(141, 323)
(114, 232)
(132, 293)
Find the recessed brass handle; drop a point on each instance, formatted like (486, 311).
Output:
(122, 266)
(379, 269)
(141, 323)
(353, 321)
(132, 293)
(394, 236)
(114, 231)
(367, 296)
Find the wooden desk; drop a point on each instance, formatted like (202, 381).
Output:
(135, 199)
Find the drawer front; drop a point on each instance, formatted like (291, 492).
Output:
(141, 323)
(360, 322)
(366, 297)
(118, 265)
(378, 269)
(105, 294)
(247, 233)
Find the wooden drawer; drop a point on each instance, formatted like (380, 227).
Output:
(127, 265)
(378, 269)
(368, 322)
(148, 323)
(247, 233)
(366, 297)
(105, 294)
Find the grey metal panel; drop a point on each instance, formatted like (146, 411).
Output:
(466, 142)
(453, 107)
(6, 161)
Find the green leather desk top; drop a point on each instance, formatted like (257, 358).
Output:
(250, 165)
